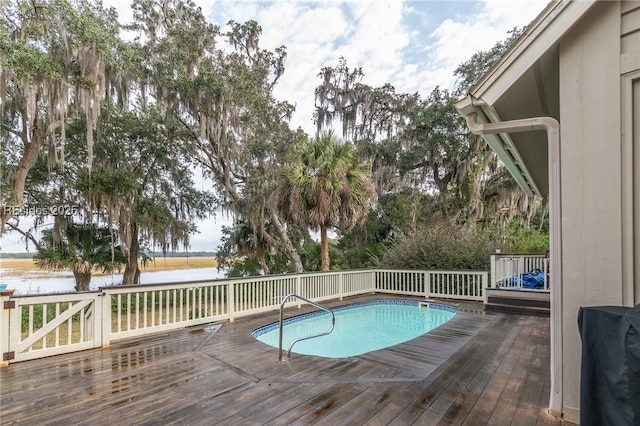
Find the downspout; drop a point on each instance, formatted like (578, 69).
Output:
(552, 128)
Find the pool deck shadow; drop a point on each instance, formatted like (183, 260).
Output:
(475, 369)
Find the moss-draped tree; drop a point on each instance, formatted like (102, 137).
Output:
(220, 86)
(58, 59)
(142, 182)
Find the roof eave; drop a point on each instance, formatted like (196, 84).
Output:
(501, 144)
(543, 33)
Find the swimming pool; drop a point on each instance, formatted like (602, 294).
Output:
(359, 327)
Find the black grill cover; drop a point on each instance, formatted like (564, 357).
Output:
(610, 371)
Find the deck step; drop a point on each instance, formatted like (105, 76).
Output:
(519, 302)
(510, 309)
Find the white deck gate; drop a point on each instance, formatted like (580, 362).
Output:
(507, 270)
(54, 324)
(38, 326)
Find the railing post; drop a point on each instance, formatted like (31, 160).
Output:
(5, 325)
(15, 327)
(230, 301)
(104, 316)
(299, 288)
(340, 286)
(427, 284)
(485, 283)
(493, 271)
(545, 271)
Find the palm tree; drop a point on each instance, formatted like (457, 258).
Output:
(326, 186)
(80, 248)
(246, 241)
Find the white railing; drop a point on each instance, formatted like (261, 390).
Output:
(38, 326)
(401, 282)
(520, 271)
(461, 285)
(139, 310)
(458, 285)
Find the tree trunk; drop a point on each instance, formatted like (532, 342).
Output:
(82, 280)
(263, 262)
(20, 177)
(131, 271)
(287, 245)
(324, 249)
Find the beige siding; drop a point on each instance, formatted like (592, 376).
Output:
(630, 36)
(630, 13)
(591, 184)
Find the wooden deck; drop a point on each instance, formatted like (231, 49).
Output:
(476, 369)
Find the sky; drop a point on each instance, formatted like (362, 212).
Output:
(413, 45)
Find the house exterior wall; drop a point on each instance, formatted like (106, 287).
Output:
(591, 186)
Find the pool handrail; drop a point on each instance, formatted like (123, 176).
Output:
(284, 300)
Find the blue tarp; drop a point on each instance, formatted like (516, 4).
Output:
(533, 279)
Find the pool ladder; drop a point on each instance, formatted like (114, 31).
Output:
(284, 300)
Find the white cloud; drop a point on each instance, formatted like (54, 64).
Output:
(456, 40)
(509, 13)
(367, 34)
(377, 39)
(209, 233)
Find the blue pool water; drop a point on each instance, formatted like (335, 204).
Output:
(360, 328)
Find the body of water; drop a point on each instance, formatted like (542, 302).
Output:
(63, 282)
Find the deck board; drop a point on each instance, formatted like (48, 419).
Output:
(475, 369)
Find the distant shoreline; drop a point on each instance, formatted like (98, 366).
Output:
(26, 267)
(157, 254)
(63, 282)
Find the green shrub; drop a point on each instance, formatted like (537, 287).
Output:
(441, 247)
(452, 247)
(516, 237)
